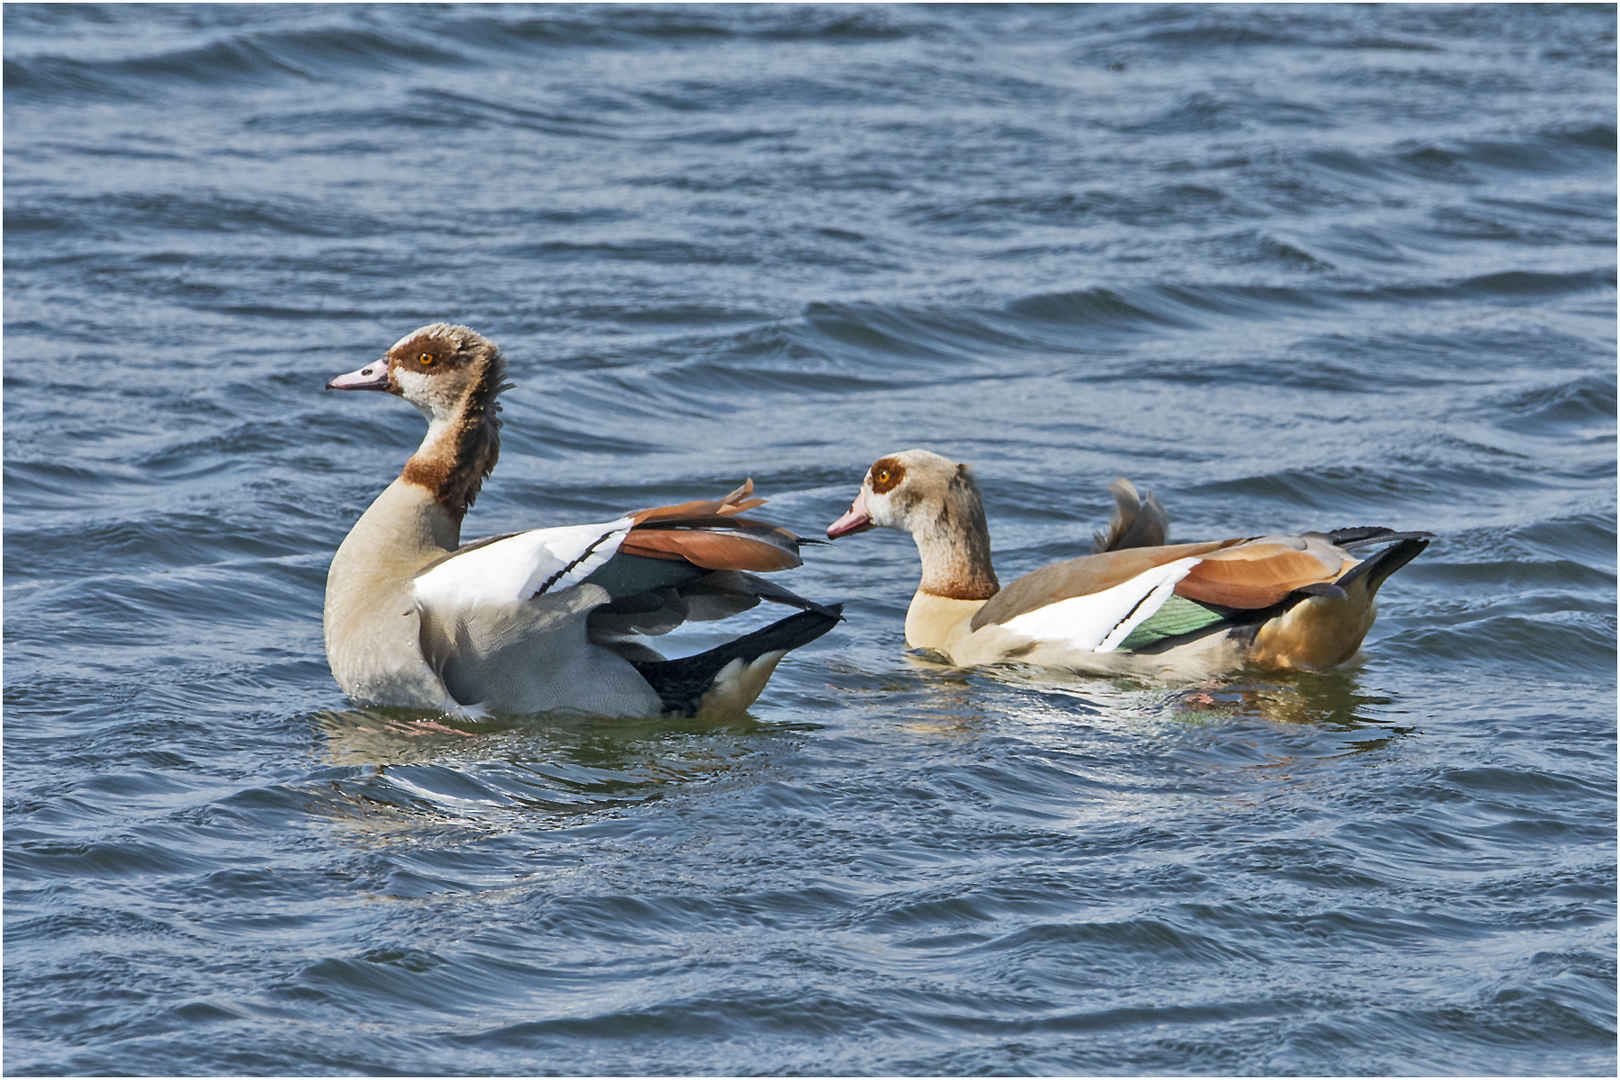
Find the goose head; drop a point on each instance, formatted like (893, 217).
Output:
(438, 368)
(453, 374)
(937, 502)
(903, 491)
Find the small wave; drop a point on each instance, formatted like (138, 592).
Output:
(1205, 30)
(654, 27)
(1553, 151)
(215, 212)
(907, 334)
(1507, 285)
(1566, 645)
(1102, 309)
(101, 860)
(1536, 284)
(441, 108)
(1389, 44)
(1345, 493)
(835, 24)
(1588, 540)
(228, 63)
(1250, 247)
(1249, 301)
(1342, 160)
(667, 252)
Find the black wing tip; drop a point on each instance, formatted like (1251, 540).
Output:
(795, 630)
(1378, 566)
(1361, 535)
(835, 612)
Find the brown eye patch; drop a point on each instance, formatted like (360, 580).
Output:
(887, 474)
(421, 354)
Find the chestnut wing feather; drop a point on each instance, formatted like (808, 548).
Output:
(719, 547)
(711, 535)
(1262, 572)
(734, 503)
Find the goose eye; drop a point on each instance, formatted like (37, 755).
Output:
(425, 359)
(887, 474)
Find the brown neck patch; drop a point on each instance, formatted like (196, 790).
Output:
(956, 546)
(972, 591)
(453, 466)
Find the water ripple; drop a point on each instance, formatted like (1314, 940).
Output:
(1289, 268)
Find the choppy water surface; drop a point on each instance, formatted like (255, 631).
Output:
(1288, 267)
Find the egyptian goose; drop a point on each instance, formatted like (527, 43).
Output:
(544, 619)
(1137, 606)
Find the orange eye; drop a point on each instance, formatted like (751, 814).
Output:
(425, 359)
(887, 474)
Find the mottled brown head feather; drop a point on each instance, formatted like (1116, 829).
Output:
(467, 373)
(428, 354)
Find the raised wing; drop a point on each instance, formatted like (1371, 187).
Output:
(519, 566)
(488, 607)
(735, 503)
(712, 536)
(705, 596)
(511, 569)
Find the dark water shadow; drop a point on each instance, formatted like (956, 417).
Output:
(1332, 700)
(1341, 710)
(392, 762)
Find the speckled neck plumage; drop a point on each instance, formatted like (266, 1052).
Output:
(461, 450)
(955, 545)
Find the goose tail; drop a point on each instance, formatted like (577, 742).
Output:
(728, 678)
(1376, 568)
(1324, 626)
(1138, 521)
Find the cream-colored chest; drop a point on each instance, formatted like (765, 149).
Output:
(940, 623)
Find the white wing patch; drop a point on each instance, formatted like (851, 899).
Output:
(510, 571)
(1100, 621)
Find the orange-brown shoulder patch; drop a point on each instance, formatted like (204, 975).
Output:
(1253, 575)
(709, 550)
(887, 474)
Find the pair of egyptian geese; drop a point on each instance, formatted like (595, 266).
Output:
(550, 619)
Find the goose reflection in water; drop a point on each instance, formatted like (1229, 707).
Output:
(393, 760)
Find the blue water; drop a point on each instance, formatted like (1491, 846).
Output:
(1288, 267)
